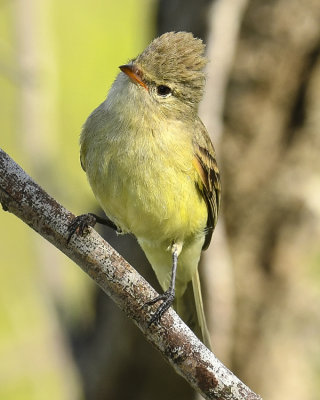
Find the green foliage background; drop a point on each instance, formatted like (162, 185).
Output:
(57, 62)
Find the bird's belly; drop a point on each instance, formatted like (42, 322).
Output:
(150, 201)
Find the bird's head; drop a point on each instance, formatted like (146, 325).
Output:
(169, 72)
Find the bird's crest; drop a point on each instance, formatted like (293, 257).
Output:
(175, 57)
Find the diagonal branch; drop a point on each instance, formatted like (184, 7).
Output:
(20, 195)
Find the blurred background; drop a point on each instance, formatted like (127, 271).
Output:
(60, 336)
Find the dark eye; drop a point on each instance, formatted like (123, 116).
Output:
(163, 90)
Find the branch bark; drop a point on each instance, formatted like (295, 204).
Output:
(20, 195)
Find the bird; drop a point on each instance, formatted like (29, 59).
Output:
(152, 167)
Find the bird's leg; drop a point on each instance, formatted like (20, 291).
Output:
(168, 296)
(81, 223)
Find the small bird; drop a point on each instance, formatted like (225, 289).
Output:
(152, 167)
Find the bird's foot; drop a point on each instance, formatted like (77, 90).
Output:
(167, 298)
(80, 225)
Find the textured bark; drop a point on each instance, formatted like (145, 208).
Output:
(20, 195)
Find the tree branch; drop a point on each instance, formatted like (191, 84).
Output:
(20, 195)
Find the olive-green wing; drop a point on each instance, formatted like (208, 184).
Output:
(209, 183)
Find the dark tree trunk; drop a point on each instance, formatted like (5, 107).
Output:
(271, 196)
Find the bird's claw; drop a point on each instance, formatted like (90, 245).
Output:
(167, 298)
(80, 225)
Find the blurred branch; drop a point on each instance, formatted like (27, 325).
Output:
(224, 19)
(20, 195)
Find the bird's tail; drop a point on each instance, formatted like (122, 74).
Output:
(190, 308)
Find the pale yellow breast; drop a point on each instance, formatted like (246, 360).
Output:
(146, 183)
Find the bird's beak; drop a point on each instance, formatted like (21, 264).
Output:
(133, 74)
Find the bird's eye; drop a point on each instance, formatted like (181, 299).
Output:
(163, 90)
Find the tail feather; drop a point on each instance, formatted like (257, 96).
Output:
(200, 310)
(190, 308)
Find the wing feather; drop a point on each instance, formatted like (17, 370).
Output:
(209, 183)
